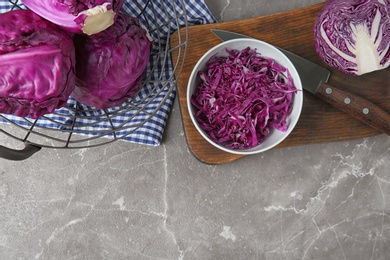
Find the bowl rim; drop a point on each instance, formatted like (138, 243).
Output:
(298, 97)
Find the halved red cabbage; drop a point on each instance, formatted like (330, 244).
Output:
(354, 36)
(77, 16)
(110, 65)
(242, 97)
(37, 65)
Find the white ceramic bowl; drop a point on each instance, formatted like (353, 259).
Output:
(265, 50)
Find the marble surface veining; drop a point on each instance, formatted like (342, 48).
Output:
(127, 201)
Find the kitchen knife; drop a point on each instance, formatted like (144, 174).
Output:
(314, 79)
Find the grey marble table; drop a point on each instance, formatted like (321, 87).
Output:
(127, 201)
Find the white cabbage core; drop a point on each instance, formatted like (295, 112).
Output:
(98, 19)
(367, 58)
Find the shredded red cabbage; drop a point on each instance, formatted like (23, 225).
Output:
(242, 97)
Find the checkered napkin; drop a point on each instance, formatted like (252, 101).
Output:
(154, 101)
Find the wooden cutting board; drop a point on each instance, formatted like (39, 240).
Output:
(292, 30)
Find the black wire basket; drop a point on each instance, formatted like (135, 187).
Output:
(80, 126)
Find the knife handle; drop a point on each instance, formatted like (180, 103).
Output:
(355, 106)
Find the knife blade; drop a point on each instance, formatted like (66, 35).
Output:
(314, 79)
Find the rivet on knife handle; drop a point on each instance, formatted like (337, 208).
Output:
(355, 106)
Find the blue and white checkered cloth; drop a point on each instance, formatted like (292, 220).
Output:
(154, 101)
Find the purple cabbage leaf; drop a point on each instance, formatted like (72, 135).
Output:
(353, 36)
(37, 65)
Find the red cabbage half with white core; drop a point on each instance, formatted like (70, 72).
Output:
(77, 16)
(110, 65)
(354, 36)
(37, 65)
(242, 97)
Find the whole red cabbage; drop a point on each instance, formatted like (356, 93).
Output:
(37, 65)
(110, 64)
(242, 97)
(77, 16)
(353, 36)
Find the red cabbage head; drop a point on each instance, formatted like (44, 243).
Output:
(78, 16)
(37, 65)
(353, 36)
